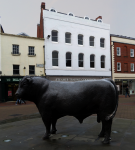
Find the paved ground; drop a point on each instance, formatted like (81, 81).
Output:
(27, 135)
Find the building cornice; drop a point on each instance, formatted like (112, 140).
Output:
(20, 36)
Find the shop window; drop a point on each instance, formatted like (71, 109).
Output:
(15, 69)
(67, 37)
(132, 67)
(15, 49)
(102, 42)
(80, 60)
(92, 61)
(118, 51)
(31, 50)
(131, 52)
(118, 66)
(31, 70)
(91, 40)
(54, 58)
(80, 39)
(102, 61)
(55, 36)
(68, 59)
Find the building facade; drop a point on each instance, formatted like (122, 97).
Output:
(123, 62)
(21, 56)
(76, 48)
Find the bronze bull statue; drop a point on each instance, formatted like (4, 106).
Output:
(79, 99)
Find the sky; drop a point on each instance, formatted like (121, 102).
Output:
(23, 15)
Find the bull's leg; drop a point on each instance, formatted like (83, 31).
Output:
(102, 132)
(107, 131)
(47, 122)
(53, 131)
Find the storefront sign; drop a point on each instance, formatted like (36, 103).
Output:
(73, 79)
(16, 79)
(9, 93)
(8, 80)
(40, 65)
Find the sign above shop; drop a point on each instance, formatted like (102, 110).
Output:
(10, 79)
(40, 65)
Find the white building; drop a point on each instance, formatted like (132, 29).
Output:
(76, 48)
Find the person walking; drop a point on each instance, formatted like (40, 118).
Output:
(17, 102)
(127, 92)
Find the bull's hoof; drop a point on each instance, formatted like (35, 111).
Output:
(106, 141)
(53, 131)
(45, 137)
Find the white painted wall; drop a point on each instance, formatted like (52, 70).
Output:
(64, 23)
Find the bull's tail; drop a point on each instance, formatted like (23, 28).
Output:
(111, 116)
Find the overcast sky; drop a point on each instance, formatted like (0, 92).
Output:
(24, 15)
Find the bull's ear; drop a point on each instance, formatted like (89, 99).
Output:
(29, 79)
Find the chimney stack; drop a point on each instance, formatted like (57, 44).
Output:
(99, 17)
(43, 5)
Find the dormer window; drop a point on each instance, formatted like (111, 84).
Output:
(87, 18)
(99, 20)
(52, 10)
(70, 14)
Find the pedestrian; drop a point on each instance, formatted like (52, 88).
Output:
(127, 92)
(17, 102)
(23, 101)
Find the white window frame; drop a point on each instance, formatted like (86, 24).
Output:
(67, 38)
(117, 66)
(55, 59)
(54, 36)
(91, 41)
(132, 69)
(118, 49)
(131, 52)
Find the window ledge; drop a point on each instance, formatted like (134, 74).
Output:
(31, 74)
(92, 68)
(55, 66)
(125, 56)
(119, 70)
(16, 74)
(54, 42)
(31, 55)
(15, 54)
(80, 45)
(81, 67)
(102, 47)
(68, 67)
(68, 43)
(132, 56)
(118, 55)
(92, 46)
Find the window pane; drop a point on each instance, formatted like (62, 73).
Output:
(54, 54)
(68, 55)
(102, 65)
(80, 63)
(80, 37)
(15, 71)
(91, 64)
(54, 33)
(15, 66)
(31, 69)
(80, 56)
(91, 57)
(101, 42)
(55, 39)
(102, 58)
(68, 35)
(68, 63)
(80, 42)
(67, 40)
(55, 62)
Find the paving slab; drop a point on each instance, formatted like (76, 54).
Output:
(71, 135)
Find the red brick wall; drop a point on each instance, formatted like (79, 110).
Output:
(124, 58)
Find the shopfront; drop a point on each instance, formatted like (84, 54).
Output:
(9, 85)
(123, 83)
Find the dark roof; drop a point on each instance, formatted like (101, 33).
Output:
(2, 29)
(23, 34)
(121, 36)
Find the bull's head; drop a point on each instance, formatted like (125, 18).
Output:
(24, 89)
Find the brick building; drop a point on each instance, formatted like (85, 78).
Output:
(123, 62)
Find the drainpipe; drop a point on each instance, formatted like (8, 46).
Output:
(44, 58)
